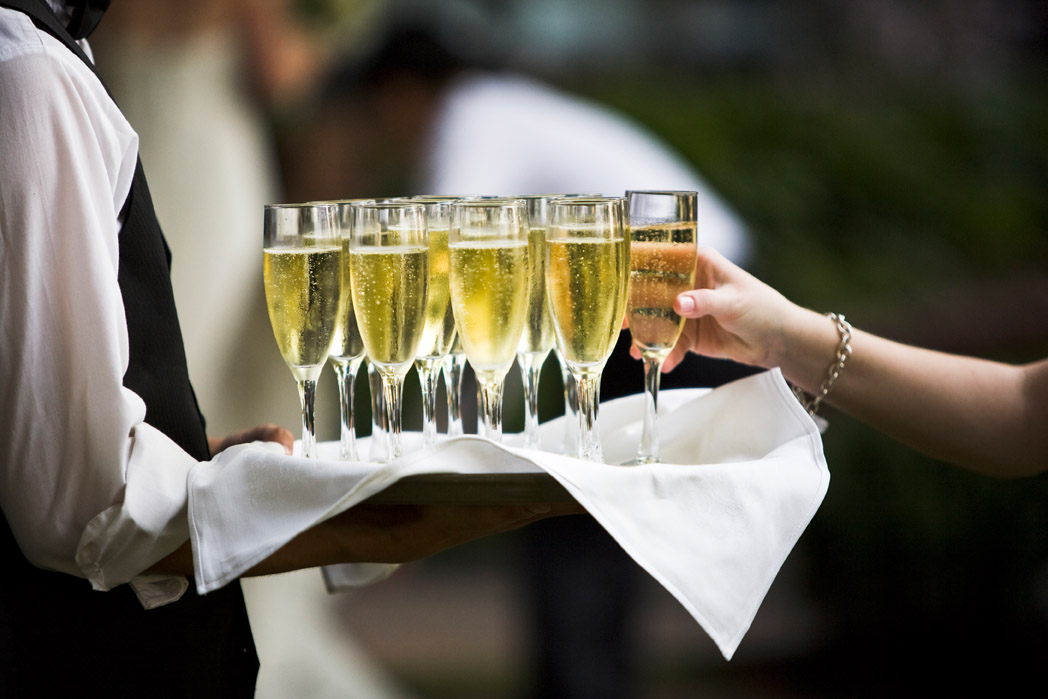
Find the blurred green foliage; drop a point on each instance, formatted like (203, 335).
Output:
(855, 188)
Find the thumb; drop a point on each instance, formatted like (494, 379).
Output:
(696, 303)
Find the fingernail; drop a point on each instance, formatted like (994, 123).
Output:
(686, 303)
(538, 508)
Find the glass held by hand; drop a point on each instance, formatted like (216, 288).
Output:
(663, 246)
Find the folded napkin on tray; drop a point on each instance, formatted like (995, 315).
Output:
(742, 476)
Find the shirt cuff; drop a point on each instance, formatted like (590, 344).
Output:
(155, 591)
(148, 524)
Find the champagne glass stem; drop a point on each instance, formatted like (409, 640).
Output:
(429, 377)
(346, 373)
(453, 383)
(307, 393)
(531, 371)
(648, 451)
(393, 392)
(588, 392)
(379, 441)
(491, 407)
(571, 413)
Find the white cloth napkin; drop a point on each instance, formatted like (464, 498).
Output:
(742, 476)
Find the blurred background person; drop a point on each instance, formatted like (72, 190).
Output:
(202, 82)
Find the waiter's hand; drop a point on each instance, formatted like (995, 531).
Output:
(267, 432)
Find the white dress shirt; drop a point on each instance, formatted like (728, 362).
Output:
(87, 487)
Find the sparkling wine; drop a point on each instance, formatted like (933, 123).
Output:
(489, 294)
(662, 265)
(346, 343)
(439, 333)
(302, 293)
(587, 282)
(389, 296)
(537, 337)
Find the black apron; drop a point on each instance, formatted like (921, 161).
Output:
(57, 635)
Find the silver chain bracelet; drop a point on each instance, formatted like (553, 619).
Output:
(844, 350)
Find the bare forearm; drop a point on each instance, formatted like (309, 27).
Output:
(984, 415)
(967, 411)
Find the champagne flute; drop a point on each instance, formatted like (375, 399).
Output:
(662, 264)
(438, 337)
(587, 272)
(453, 365)
(302, 272)
(489, 292)
(537, 339)
(389, 261)
(347, 348)
(570, 442)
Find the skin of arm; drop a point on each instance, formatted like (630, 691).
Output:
(979, 414)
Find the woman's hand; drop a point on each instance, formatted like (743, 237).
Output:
(730, 315)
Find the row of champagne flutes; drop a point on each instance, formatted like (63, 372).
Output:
(423, 281)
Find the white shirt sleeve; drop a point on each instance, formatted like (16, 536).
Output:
(87, 488)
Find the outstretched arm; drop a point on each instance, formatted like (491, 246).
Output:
(980, 414)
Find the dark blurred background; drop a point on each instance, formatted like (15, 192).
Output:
(890, 159)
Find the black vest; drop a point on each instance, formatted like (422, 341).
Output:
(57, 635)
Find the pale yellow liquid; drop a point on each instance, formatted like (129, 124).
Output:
(389, 296)
(587, 283)
(302, 293)
(439, 333)
(489, 294)
(347, 343)
(662, 265)
(537, 337)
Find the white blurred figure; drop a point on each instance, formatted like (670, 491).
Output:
(508, 134)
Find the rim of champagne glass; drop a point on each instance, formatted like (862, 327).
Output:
(437, 197)
(274, 214)
(489, 201)
(686, 202)
(613, 207)
(514, 207)
(290, 206)
(663, 192)
(588, 201)
(359, 236)
(398, 203)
